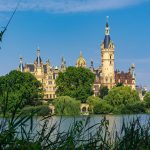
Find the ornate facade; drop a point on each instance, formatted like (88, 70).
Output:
(45, 73)
(106, 75)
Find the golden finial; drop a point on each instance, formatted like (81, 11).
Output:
(81, 54)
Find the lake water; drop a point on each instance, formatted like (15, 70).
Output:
(115, 121)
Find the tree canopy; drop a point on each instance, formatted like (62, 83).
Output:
(76, 83)
(147, 99)
(122, 95)
(66, 105)
(103, 91)
(17, 87)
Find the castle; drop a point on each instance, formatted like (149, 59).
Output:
(106, 75)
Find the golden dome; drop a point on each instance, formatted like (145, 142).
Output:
(81, 62)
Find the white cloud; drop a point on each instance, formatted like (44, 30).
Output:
(60, 6)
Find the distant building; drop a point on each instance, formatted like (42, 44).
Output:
(106, 75)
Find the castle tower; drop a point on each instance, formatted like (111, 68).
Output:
(107, 58)
(38, 67)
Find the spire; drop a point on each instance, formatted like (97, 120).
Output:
(133, 71)
(107, 35)
(63, 63)
(21, 64)
(107, 26)
(92, 65)
(38, 60)
(81, 54)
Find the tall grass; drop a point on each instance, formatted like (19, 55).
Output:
(18, 132)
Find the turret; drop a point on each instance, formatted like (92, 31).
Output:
(92, 65)
(21, 67)
(133, 76)
(38, 59)
(133, 71)
(81, 62)
(63, 64)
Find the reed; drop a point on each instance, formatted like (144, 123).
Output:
(18, 132)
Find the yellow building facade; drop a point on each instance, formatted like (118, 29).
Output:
(45, 73)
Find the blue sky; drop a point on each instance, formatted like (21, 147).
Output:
(66, 27)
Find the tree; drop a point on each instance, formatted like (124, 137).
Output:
(17, 87)
(147, 99)
(76, 83)
(65, 105)
(122, 96)
(102, 107)
(98, 106)
(93, 101)
(103, 91)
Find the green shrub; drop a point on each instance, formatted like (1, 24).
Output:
(147, 99)
(122, 95)
(138, 107)
(42, 110)
(102, 107)
(93, 101)
(65, 105)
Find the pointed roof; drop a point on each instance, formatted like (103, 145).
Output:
(107, 38)
(38, 59)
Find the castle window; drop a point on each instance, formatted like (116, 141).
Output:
(106, 79)
(111, 80)
(49, 82)
(110, 62)
(49, 77)
(110, 56)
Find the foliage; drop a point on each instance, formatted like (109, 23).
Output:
(98, 106)
(134, 108)
(119, 84)
(122, 96)
(76, 83)
(102, 107)
(143, 92)
(93, 101)
(42, 110)
(65, 105)
(147, 99)
(20, 132)
(103, 91)
(20, 87)
(80, 135)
